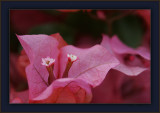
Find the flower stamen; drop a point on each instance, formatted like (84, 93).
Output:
(49, 63)
(71, 58)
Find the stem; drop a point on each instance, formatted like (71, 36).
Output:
(109, 28)
(121, 16)
(68, 66)
(51, 75)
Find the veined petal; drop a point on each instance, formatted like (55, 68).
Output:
(128, 70)
(117, 48)
(92, 64)
(65, 90)
(36, 48)
(120, 48)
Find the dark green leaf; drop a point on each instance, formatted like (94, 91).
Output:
(85, 24)
(66, 32)
(130, 30)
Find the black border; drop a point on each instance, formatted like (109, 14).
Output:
(153, 5)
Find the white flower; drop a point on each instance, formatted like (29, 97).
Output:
(72, 57)
(47, 61)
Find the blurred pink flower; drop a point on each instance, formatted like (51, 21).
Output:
(133, 61)
(18, 97)
(22, 63)
(17, 77)
(101, 14)
(119, 88)
(81, 69)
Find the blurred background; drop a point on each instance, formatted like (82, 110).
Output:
(82, 28)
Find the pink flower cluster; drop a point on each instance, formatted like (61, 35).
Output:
(110, 72)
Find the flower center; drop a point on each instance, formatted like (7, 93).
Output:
(49, 63)
(71, 57)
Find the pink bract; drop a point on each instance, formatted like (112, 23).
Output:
(92, 64)
(65, 90)
(117, 48)
(88, 71)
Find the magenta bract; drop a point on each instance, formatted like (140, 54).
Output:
(133, 61)
(89, 70)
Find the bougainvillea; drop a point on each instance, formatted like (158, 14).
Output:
(103, 57)
(63, 74)
(133, 61)
(128, 82)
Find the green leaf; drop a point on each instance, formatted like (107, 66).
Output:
(130, 30)
(66, 32)
(83, 23)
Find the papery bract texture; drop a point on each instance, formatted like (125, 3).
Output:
(38, 47)
(92, 64)
(120, 48)
(65, 90)
(132, 67)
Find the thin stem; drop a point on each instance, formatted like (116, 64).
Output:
(68, 66)
(51, 75)
(121, 16)
(109, 28)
